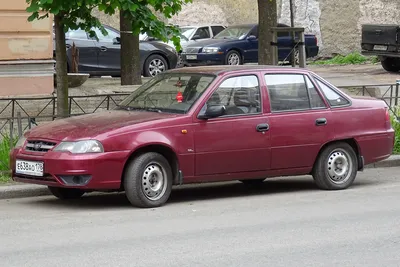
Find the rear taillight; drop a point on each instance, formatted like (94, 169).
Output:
(387, 115)
(316, 40)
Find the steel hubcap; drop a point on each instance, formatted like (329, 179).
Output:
(156, 67)
(339, 166)
(154, 182)
(233, 59)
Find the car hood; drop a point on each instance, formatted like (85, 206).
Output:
(210, 42)
(92, 125)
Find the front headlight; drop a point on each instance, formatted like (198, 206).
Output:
(80, 147)
(171, 49)
(20, 142)
(210, 49)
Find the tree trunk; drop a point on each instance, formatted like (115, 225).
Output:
(267, 18)
(61, 68)
(131, 72)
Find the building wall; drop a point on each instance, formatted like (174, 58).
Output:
(337, 24)
(26, 52)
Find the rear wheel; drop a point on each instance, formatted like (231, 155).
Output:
(391, 64)
(148, 181)
(66, 193)
(336, 167)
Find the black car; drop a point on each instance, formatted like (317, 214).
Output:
(102, 58)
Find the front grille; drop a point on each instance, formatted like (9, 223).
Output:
(192, 50)
(39, 146)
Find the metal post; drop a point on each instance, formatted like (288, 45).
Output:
(274, 48)
(292, 33)
(397, 92)
(19, 124)
(302, 51)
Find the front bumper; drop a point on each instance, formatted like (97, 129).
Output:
(203, 59)
(96, 171)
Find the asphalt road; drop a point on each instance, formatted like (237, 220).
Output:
(285, 222)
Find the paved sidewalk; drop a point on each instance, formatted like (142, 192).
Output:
(18, 190)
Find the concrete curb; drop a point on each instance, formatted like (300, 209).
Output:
(27, 190)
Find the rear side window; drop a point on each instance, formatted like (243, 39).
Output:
(289, 92)
(334, 99)
(217, 29)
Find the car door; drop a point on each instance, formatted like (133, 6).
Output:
(87, 50)
(238, 141)
(300, 120)
(108, 57)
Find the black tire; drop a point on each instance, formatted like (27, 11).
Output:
(233, 53)
(391, 64)
(252, 181)
(66, 193)
(137, 184)
(153, 59)
(328, 178)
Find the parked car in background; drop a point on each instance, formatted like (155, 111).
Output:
(382, 40)
(102, 57)
(190, 35)
(208, 124)
(238, 44)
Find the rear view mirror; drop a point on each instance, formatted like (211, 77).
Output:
(117, 40)
(213, 111)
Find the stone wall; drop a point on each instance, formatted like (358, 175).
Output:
(337, 24)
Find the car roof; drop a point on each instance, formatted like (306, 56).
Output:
(222, 69)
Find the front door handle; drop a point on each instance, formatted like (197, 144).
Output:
(262, 127)
(103, 49)
(321, 122)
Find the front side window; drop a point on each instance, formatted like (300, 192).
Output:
(334, 99)
(76, 34)
(171, 93)
(203, 33)
(240, 95)
(106, 38)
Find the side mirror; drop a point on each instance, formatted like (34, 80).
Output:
(117, 40)
(251, 38)
(196, 37)
(151, 39)
(213, 111)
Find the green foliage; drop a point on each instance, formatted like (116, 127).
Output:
(77, 14)
(350, 59)
(396, 127)
(5, 153)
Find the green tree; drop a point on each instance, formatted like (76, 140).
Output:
(267, 18)
(138, 16)
(77, 14)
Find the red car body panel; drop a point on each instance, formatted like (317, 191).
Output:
(218, 149)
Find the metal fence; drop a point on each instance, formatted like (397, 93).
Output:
(19, 114)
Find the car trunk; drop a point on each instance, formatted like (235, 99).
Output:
(380, 37)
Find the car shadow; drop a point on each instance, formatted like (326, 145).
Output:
(194, 193)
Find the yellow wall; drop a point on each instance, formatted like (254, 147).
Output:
(26, 51)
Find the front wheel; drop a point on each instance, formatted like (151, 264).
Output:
(66, 193)
(233, 58)
(148, 181)
(391, 64)
(336, 167)
(154, 65)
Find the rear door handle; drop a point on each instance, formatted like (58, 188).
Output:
(262, 127)
(103, 49)
(321, 122)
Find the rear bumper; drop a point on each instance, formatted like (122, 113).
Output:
(379, 53)
(312, 51)
(101, 171)
(377, 147)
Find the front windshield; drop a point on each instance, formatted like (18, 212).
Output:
(235, 32)
(187, 31)
(168, 92)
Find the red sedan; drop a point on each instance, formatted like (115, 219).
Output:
(207, 124)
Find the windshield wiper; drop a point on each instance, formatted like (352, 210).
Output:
(140, 109)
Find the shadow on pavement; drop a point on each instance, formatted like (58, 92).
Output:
(196, 192)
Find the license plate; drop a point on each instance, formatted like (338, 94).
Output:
(380, 47)
(33, 168)
(191, 57)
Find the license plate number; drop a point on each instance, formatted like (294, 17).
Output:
(191, 57)
(33, 168)
(380, 47)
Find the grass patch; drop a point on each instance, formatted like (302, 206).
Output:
(354, 58)
(5, 149)
(5, 179)
(396, 127)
